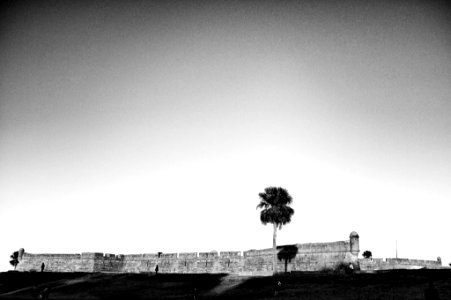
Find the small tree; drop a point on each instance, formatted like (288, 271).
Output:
(367, 254)
(14, 259)
(287, 253)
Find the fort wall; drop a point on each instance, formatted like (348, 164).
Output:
(296, 257)
(371, 264)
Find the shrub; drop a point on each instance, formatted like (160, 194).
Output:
(367, 254)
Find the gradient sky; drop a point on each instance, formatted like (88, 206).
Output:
(144, 126)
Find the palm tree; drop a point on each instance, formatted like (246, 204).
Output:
(14, 259)
(275, 201)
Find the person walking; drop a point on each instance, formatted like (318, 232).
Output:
(156, 270)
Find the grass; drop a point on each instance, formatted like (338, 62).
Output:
(394, 284)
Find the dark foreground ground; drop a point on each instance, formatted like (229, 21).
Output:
(395, 284)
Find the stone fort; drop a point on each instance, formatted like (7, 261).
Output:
(297, 257)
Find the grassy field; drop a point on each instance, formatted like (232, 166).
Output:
(395, 284)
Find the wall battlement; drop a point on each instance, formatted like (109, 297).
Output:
(371, 264)
(297, 257)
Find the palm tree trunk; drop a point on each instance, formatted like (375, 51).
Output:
(274, 249)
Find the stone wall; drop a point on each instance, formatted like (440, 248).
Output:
(297, 257)
(371, 264)
(59, 262)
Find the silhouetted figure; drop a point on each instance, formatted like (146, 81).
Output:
(156, 270)
(42, 267)
(431, 292)
(277, 288)
(195, 294)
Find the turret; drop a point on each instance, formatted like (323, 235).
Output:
(21, 252)
(354, 243)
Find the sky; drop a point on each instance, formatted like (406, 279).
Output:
(144, 126)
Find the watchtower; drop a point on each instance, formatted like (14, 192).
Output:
(21, 252)
(354, 243)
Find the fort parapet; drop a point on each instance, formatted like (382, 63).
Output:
(372, 264)
(296, 257)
